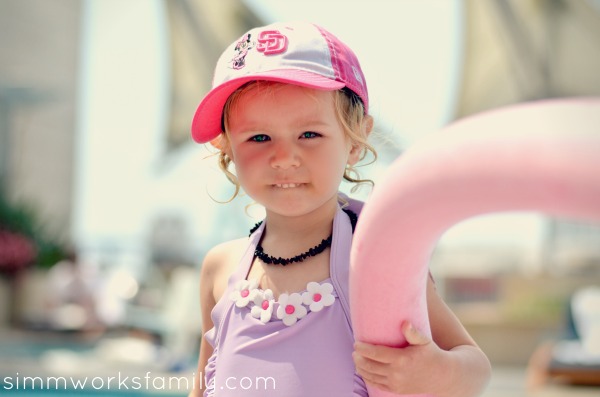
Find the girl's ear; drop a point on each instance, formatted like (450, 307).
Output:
(355, 151)
(217, 142)
(368, 125)
(357, 148)
(222, 143)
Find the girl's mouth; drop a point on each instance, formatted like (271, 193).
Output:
(287, 185)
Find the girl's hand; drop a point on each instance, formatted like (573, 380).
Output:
(414, 369)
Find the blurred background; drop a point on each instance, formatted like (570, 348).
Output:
(107, 207)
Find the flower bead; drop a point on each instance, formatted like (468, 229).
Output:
(244, 292)
(290, 308)
(318, 296)
(263, 306)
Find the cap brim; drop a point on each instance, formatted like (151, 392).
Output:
(206, 124)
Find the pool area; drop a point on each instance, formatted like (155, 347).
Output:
(47, 358)
(100, 386)
(46, 364)
(86, 392)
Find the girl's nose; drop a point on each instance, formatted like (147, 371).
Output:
(284, 156)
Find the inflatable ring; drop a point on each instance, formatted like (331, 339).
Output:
(540, 156)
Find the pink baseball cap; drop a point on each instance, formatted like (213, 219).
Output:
(299, 53)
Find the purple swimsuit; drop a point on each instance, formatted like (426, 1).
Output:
(299, 346)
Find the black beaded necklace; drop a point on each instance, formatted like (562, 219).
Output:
(326, 243)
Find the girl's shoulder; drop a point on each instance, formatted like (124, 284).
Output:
(220, 262)
(224, 257)
(224, 252)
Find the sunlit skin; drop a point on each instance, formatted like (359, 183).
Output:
(290, 152)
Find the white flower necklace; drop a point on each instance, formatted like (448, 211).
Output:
(292, 307)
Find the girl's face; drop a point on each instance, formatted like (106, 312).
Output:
(289, 148)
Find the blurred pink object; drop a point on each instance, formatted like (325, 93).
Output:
(16, 252)
(541, 156)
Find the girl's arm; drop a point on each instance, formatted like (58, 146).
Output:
(207, 302)
(450, 365)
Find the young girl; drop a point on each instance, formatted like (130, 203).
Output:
(289, 109)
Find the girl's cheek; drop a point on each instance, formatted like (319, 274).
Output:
(250, 157)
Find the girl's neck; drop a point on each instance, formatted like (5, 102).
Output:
(318, 222)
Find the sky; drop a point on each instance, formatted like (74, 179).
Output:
(410, 52)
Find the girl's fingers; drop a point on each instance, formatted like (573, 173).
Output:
(368, 366)
(413, 336)
(381, 354)
(385, 354)
(380, 386)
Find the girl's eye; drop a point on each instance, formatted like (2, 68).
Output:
(260, 138)
(309, 135)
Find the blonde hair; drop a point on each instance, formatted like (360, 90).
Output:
(349, 110)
